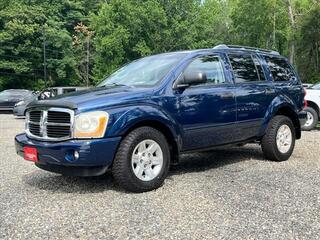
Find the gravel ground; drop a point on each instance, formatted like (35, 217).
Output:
(226, 194)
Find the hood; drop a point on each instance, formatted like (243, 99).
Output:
(99, 97)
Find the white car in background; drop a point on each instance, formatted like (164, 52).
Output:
(313, 107)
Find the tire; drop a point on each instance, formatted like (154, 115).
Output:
(271, 149)
(128, 163)
(312, 119)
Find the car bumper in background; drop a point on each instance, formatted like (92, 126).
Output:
(6, 108)
(302, 117)
(19, 110)
(95, 156)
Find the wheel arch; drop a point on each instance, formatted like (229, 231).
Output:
(290, 113)
(165, 130)
(141, 116)
(282, 105)
(314, 106)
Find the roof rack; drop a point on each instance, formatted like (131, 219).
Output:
(224, 46)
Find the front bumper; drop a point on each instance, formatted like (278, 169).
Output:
(95, 155)
(302, 117)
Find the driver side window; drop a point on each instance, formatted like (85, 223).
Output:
(211, 66)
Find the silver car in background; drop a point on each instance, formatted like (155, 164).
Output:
(20, 107)
(8, 98)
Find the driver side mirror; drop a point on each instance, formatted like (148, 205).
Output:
(190, 78)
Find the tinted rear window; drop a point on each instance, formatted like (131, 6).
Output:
(245, 69)
(280, 69)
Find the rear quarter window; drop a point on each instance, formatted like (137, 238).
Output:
(280, 69)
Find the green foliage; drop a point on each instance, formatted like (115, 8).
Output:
(124, 30)
(260, 23)
(25, 26)
(127, 30)
(309, 63)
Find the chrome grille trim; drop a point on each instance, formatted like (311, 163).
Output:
(43, 124)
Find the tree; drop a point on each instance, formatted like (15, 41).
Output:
(259, 23)
(292, 45)
(127, 30)
(82, 43)
(25, 26)
(309, 46)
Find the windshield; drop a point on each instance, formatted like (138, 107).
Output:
(13, 94)
(316, 86)
(4, 94)
(147, 71)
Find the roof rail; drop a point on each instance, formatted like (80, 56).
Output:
(224, 46)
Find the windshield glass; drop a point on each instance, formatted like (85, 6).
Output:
(316, 86)
(147, 71)
(4, 94)
(13, 94)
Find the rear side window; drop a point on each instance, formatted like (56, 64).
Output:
(280, 69)
(211, 66)
(246, 68)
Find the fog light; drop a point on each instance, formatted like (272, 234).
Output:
(76, 155)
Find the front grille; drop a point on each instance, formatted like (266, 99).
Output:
(34, 129)
(58, 117)
(35, 116)
(50, 124)
(58, 131)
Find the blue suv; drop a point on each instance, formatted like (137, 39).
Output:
(143, 116)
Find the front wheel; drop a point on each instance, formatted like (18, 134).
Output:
(279, 141)
(142, 160)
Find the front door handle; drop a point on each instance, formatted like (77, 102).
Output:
(269, 91)
(227, 95)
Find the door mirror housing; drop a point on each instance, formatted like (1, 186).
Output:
(190, 78)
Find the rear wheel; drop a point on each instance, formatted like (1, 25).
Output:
(312, 119)
(142, 160)
(279, 141)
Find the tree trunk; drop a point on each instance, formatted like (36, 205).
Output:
(274, 32)
(87, 60)
(317, 56)
(292, 43)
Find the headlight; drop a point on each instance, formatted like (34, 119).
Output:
(91, 124)
(19, 103)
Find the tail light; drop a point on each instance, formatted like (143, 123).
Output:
(305, 103)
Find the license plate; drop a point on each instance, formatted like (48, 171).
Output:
(30, 154)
